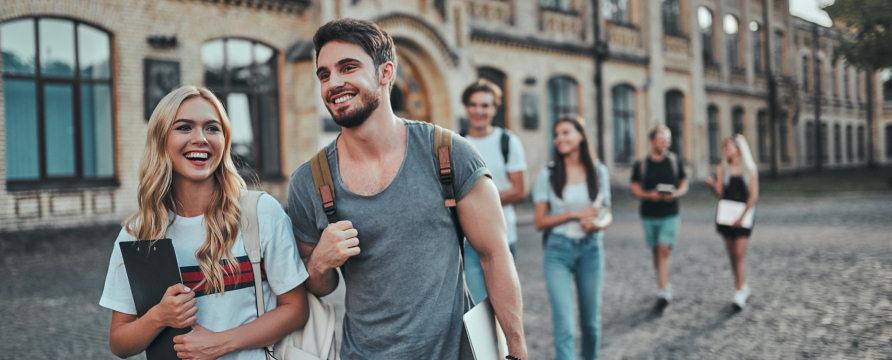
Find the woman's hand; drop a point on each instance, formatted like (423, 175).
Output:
(177, 308)
(199, 344)
(588, 225)
(739, 222)
(588, 212)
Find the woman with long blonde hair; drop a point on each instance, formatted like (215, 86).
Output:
(737, 179)
(189, 192)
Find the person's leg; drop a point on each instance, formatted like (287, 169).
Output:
(651, 237)
(662, 263)
(474, 274)
(589, 282)
(667, 237)
(558, 266)
(729, 246)
(740, 245)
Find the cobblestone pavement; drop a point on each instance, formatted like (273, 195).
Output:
(820, 265)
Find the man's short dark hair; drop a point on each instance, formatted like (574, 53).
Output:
(363, 33)
(482, 85)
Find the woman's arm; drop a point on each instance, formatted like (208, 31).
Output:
(290, 314)
(545, 221)
(130, 335)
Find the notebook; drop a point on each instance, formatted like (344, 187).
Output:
(151, 267)
(484, 332)
(728, 211)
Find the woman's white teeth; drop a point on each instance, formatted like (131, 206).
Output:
(342, 99)
(197, 156)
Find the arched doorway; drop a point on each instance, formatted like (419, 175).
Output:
(409, 96)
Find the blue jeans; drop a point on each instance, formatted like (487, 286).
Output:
(566, 258)
(474, 272)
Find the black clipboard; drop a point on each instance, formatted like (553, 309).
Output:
(151, 268)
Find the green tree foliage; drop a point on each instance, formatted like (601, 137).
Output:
(869, 26)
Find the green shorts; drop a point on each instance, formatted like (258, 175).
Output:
(660, 230)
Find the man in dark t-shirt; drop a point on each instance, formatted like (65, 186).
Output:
(658, 181)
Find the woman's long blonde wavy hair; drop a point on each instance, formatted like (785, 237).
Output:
(158, 205)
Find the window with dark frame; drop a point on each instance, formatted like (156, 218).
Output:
(57, 84)
(732, 40)
(617, 11)
(671, 10)
(783, 131)
(244, 75)
(825, 143)
(850, 145)
(809, 143)
(707, 34)
(737, 121)
(762, 136)
(623, 97)
(756, 34)
(888, 142)
(712, 133)
(562, 98)
(674, 101)
(497, 77)
(837, 144)
(861, 143)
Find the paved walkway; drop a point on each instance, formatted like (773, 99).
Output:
(819, 267)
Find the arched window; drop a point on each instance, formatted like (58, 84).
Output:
(732, 41)
(623, 121)
(712, 133)
(675, 119)
(562, 98)
(737, 121)
(756, 34)
(57, 87)
(707, 34)
(244, 74)
(825, 146)
(850, 144)
(837, 144)
(672, 17)
(497, 77)
(762, 127)
(617, 11)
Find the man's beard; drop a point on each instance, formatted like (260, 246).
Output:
(358, 116)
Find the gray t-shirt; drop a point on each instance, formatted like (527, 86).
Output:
(404, 290)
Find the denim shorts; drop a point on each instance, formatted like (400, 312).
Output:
(660, 230)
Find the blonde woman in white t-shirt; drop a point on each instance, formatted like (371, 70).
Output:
(569, 195)
(189, 191)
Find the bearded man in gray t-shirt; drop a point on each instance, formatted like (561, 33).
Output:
(396, 243)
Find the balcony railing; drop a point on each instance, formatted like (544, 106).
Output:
(561, 23)
(498, 12)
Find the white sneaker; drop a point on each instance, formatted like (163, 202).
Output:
(741, 295)
(665, 294)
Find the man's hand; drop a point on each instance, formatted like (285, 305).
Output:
(337, 244)
(199, 344)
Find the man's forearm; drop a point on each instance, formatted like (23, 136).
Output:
(321, 282)
(510, 196)
(503, 287)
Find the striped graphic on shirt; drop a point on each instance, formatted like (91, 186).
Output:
(241, 278)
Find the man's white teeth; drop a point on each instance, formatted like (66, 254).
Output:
(197, 156)
(343, 98)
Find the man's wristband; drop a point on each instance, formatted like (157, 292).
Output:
(511, 357)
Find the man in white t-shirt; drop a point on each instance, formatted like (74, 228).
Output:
(503, 155)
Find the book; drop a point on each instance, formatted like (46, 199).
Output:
(728, 211)
(151, 267)
(485, 335)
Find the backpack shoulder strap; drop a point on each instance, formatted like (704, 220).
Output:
(673, 161)
(249, 226)
(443, 153)
(324, 183)
(642, 167)
(506, 145)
